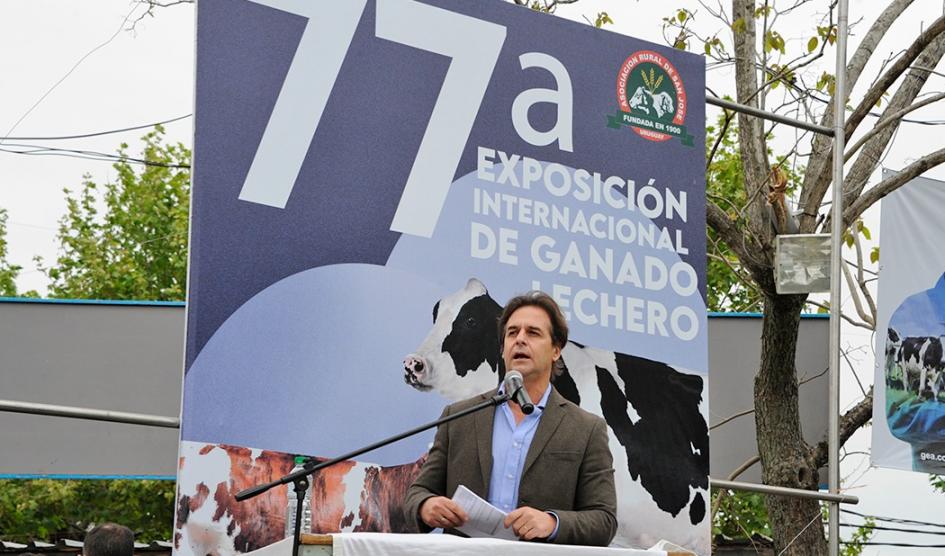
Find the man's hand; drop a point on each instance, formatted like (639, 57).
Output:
(440, 511)
(529, 523)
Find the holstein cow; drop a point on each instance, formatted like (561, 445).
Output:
(894, 376)
(348, 497)
(658, 435)
(921, 360)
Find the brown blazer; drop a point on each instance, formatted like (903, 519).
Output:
(568, 468)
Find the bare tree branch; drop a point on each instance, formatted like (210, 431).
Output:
(843, 316)
(862, 281)
(856, 298)
(754, 150)
(852, 420)
(886, 80)
(746, 249)
(888, 185)
(817, 177)
(886, 120)
(872, 152)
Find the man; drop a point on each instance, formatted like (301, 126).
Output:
(109, 539)
(551, 471)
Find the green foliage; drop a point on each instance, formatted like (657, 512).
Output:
(740, 515)
(937, 482)
(49, 509)
(137, 247)
(8, 272)
(725, 184)
(774, 41)
(859, 228)
(602, 19)
(854, 546)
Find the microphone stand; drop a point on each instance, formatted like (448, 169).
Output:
(300, 478)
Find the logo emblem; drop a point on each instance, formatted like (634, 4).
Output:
(652, 98)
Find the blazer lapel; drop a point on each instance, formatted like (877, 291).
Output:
(550, 419)
(484, 423)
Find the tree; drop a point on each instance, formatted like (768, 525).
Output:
(745, 235)
(51, 509)
(137, 247)
(8, 272)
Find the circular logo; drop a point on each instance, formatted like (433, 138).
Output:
(649, 86)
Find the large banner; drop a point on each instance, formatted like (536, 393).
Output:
(909, 396)
(372, 181)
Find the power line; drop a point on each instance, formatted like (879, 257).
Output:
(893, 519)
(97, 133)
(897, 529)
(900, 544)
(72, 69)
(40, 150)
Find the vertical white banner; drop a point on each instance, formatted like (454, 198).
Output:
(909, 392)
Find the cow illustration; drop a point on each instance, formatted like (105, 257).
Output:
(921, 361)
(347, 497)
(662, 103)
(894, 378)
(643, 100)
(640, 100)
(658, 435)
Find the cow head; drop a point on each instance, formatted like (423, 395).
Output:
(639, 100)
(460, 356)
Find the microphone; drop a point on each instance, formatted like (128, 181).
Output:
(516, 389)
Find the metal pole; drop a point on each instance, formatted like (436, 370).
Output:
(91, 414)
(771, 116)
(836, 240)
(785, 491)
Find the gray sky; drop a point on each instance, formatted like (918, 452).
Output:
(140, 77)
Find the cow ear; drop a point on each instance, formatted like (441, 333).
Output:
(475, 285)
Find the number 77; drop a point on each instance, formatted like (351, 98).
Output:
(474, 47)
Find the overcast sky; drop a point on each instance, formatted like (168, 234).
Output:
(123, 78)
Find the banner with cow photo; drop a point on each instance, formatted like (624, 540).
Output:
(372, 181)
(909, 404)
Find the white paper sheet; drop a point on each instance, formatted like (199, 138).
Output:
(485, 520)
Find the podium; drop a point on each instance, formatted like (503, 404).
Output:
(395, 544)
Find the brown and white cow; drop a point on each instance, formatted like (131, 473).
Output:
(349, 497)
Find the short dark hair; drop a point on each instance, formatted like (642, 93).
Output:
(536, 298)
(109, 539)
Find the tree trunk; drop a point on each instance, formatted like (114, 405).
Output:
(785, 457)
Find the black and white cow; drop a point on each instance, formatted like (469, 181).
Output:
(655, 414)
(922, 363)
(894, 377)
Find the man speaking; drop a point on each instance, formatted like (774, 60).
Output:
(550, 470)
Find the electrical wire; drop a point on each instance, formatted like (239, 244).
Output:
(72, 69)
(900, 544)
(893, 519)
(96, 133)
(898, 529)
(39, 150)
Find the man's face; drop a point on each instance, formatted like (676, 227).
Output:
(527, 346)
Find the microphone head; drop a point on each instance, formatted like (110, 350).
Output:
(513, 378)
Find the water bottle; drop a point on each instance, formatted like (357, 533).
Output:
(293, 502)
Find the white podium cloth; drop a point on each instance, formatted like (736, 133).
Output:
(386, 544)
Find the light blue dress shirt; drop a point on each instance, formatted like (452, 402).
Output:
(510, 443)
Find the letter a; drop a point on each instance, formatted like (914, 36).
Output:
(562, 97)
